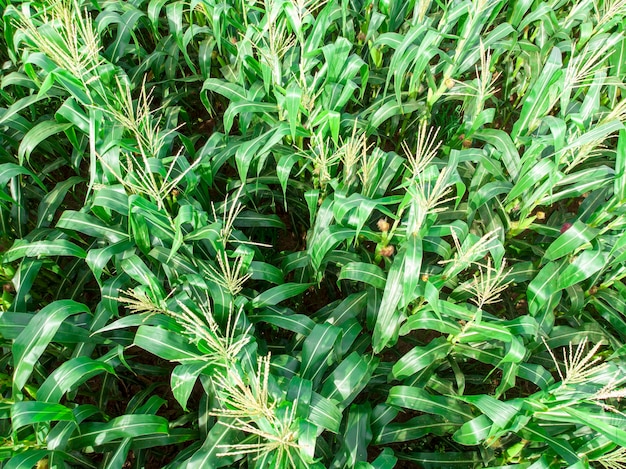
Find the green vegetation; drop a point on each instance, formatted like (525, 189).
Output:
(288, 233)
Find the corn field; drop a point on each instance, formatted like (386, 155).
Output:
(313, 234)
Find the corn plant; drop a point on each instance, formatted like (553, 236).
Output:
(287, 233)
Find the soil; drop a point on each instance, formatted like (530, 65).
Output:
(289, 239)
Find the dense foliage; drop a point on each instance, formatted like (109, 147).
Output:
(288, 233)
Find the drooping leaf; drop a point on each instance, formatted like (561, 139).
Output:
(389, 317)
(32, 412)
(280, 293)
(69, 375)
(33, 340)
(165, 344)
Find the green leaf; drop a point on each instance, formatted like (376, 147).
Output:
(252, 219)
(349, 378)
(501, 413)
(183, 380)
(412, 267)
(137, 269)
(363, 272)
(238, 107)
(349, 308)
(391, 109)
(231, 91)
(298, 323)
(32, 412)
(560, 446)
(283, 170)
(505, 149)
(572, 238)
(91, 226)
(582, 267)
(175, 436)
(266, 272)
(357, 435)
(325, 241)
(488, 192)
(426, 319)
(139, 232)
(421, 400)
(543, 289)
(597, 133)
(474, 432)
(449, 459)
(71, 111)
(125, 426)
(619, 186)
(210, 232)
(139, 319)
(275, 295)
(23, 281)
(118, 457)
(13, 110)
(219, 437)
(248, 152)
(59, 247)
(34, 339)
(26, 460)
(292, 106)
(165, 344)
(300, 392)
(53, 199)
(414, 429)
(385, 460)
(533, 175)
(38, 134)
(421, 357)
(113, 198)
(615, 434)
(97, 259)
(484, 330)
(69, 375)
(13, 324)
(9, 170)
(536, 101)
(389, 317)
(316, 348)
(324, 413)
